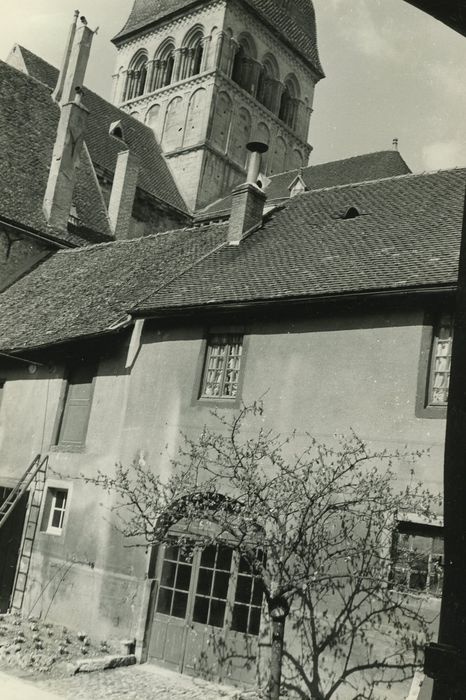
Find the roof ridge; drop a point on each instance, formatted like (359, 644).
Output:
(333, 162)
(384, 179)
(151, 236)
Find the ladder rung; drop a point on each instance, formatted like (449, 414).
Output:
(21, 488)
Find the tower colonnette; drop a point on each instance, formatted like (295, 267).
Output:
(209, 77)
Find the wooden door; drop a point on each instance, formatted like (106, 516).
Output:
(207, 615)
(10, 542)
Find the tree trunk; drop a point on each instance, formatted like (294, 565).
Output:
(276, 660)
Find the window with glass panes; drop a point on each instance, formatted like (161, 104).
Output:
(248, 600)
(418, 558)
(54, 510)
(175, 581)
(212, 585)
(222, 366)
(441, 361)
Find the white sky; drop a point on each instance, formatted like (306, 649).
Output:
(392, 71)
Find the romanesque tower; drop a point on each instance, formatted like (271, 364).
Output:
(209, 76)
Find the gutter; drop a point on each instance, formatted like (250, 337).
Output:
(231, 306)
(35, 234)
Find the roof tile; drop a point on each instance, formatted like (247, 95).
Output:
(28, 126)
(406, 237)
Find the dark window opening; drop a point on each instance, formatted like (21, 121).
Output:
(174, 583)
(418, 558)
(248, 600)
(351, 213)
(212, 586)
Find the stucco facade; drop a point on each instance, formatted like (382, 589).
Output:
(323, 371)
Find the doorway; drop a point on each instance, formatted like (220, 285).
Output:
(207, 614)
(10, 542)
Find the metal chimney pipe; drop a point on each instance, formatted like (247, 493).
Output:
(256, 149)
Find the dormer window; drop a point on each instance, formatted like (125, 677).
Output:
(351, 213)
(116, 130)
(298, 186)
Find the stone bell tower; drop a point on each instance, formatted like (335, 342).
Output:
(210, 76)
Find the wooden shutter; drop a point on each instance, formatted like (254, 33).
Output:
(77, 406)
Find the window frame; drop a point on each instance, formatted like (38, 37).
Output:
(424, 409)
(195, 592)
(438, 324)
(416, 528)
(51, 489)
(198, 398)
(58, 444)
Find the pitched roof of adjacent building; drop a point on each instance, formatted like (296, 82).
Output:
(86, 291)
(155, 177)
(405, 237)
(405, 234)
(28, 126)
(370, 166)
(296, 22)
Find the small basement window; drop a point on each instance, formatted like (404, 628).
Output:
(54, 511)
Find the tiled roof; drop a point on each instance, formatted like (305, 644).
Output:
(28, 125)
(37, 68)
(85, 291)
(370, 166)
(297, 22)
(155, 176)
(407, 236)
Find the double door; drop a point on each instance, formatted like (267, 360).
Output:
(207, 614)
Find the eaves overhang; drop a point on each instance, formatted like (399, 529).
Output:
(233, 306)
(450, 12)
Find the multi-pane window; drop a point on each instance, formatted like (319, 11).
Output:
(441, 362)
(174, 583)
(77, 406)
(248, 601)
(222, 366)
(418, 558)
(54, 511)
(212, 586)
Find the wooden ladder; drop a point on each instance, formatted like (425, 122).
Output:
(36, 472)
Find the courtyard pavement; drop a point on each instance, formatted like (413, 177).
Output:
(146, 682)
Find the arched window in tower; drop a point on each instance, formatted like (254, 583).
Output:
(192, 53)
(137, 76)
(268, 84)
(245, 65)
(289, 102)
(163, 66)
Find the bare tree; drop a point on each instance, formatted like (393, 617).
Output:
(315, 523)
